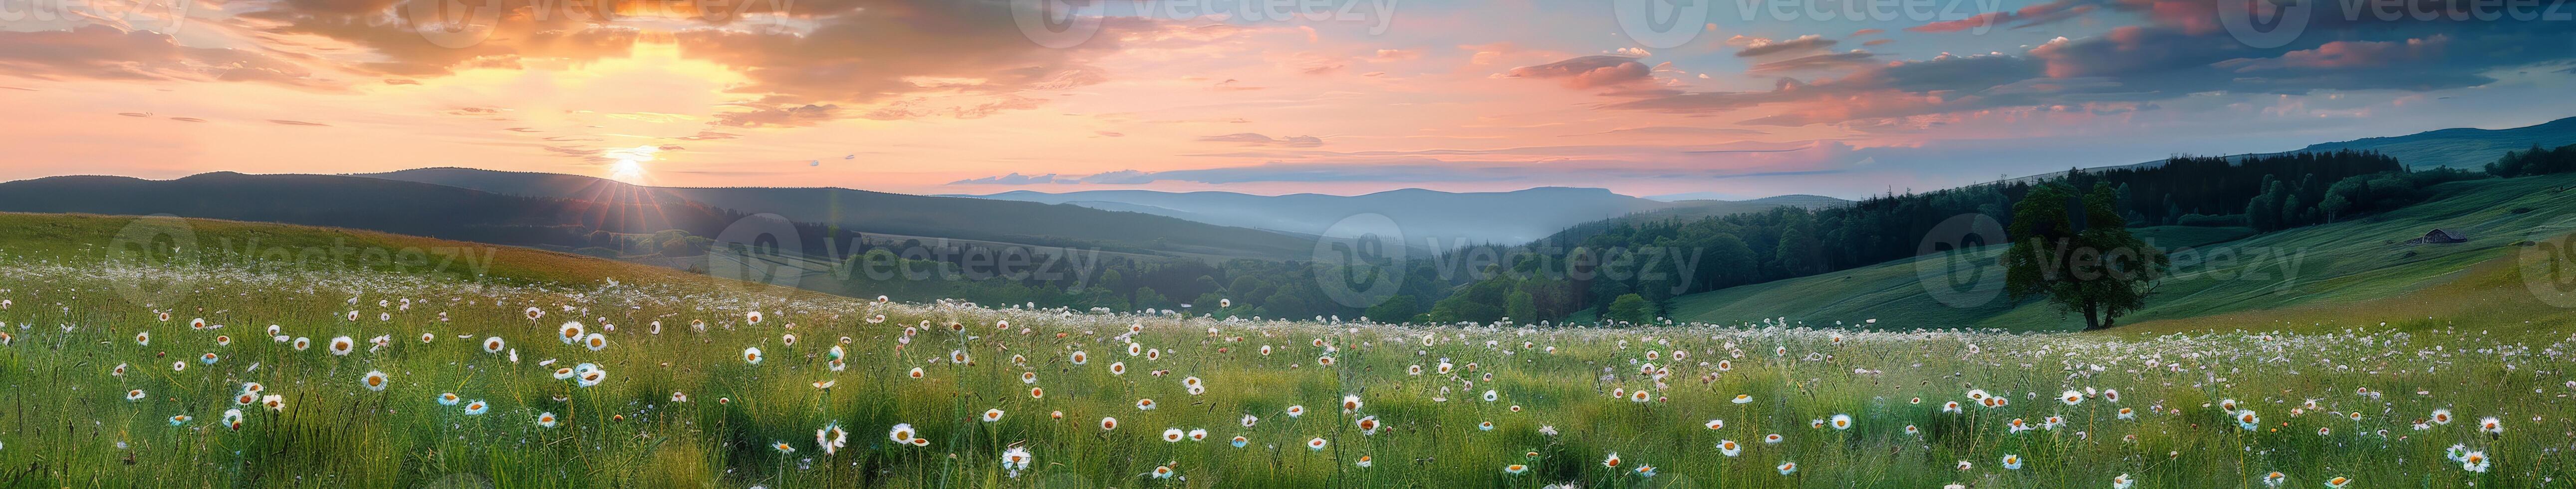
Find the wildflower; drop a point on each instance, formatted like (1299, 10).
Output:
(1743, 398)
(1364, 462)
(2012, 462)
(273, 402)
(2121, 481)
(134, 395)
(1842, 421)
(476, 407)
(547, 419)
(449, 399)
(1296, 411)
(1240, 441)
(1612, 461)
(1015, 460)
(1315, 444)
(2338, 482)
(1515, 469)
(1107, 424)
(490, 345)
(1729, 448)
(376, 380)
(751, 355)
(341, 346)
(1788, 467)
(901, 433)
(1145, 404)
(831, 438)
(991, 415)
(2490, 425)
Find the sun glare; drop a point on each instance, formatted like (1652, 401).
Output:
(629, 165)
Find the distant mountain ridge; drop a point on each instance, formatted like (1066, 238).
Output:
(2465, 148)
(1451, 217)
(901, 214)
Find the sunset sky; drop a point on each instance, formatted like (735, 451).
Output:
(955, 96)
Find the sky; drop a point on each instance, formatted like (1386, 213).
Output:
(1725, 98)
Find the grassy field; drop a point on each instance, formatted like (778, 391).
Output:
(99, 379)
(2356, 273)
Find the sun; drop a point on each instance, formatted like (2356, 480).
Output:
(629, 163)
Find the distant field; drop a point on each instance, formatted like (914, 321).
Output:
(2354, 272)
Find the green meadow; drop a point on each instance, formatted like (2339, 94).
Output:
(103, 390)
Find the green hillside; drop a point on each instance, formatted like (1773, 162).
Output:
(2346, 270)
(86, 238)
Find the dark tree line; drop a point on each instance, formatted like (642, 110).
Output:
(2535, 161)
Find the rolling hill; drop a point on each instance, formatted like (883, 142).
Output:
(358, 203)
(903, 215)
(1453, 218)
(2346, 271)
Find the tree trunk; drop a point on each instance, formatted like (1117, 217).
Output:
(2092, 315)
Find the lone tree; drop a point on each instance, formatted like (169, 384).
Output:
(2077, 250)
(1631, 308)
